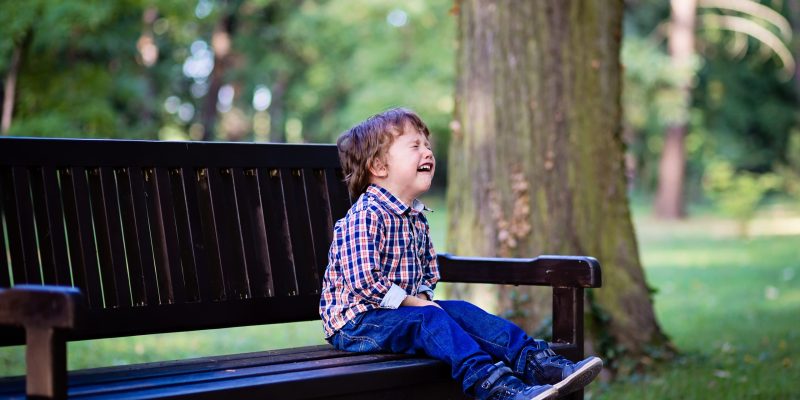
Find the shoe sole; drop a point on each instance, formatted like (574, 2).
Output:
(580, 378)
(551, 393)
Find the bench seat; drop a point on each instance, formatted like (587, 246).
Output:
(298, 373)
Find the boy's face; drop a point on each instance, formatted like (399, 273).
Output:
(409, 165)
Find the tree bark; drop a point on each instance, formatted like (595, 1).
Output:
(536, 159)
(670, 202)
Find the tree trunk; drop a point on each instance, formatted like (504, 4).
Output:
(148, 55)
(277, 110)
(10, 85)
(536, 159)
(221, 42)
(669, 203)
(794, 18)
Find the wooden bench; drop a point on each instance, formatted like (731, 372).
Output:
(113, 238)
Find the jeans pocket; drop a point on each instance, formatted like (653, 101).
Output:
(360, 344)
(349, 338)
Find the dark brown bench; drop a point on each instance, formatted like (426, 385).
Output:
(113, 238)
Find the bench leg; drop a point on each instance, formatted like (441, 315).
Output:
(568, 325)
(46, 363)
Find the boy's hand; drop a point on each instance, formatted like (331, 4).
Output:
(418, 301)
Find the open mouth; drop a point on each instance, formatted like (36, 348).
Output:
(425, 168)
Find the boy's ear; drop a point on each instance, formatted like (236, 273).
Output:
(378, 168)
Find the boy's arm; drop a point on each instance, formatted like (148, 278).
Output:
(430, 273)
(361, 260)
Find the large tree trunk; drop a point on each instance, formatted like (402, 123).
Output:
(670, 202)
(536, 160)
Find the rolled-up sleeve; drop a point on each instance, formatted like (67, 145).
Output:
(393, 297)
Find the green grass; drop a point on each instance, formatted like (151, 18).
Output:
(730, 305)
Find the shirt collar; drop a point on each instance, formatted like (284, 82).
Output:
(388, 200)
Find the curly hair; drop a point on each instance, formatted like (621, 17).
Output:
(367, 142)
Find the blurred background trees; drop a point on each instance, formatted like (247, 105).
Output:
(222, 70)
(304, 70)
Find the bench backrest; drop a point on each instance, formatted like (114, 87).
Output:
(170, 236)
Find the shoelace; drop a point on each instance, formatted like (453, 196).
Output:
(509, 390)
(535, 361)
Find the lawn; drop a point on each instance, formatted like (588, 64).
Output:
(729, 304)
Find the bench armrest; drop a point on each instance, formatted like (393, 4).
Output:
(568, 275)
(546, 270)
(46, 313)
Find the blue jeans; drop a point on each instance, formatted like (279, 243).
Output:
(464, 336)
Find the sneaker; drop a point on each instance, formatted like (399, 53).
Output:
(503, 385)
(547, 367)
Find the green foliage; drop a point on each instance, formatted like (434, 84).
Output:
(327, 64)
(743, 108)
(651, 101)
(79, 75)
(737, 194)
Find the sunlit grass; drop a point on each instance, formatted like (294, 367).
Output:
(729, 304)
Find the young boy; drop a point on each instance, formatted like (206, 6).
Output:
(378, 287)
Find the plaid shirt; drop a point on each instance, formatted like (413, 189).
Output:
(381, 252)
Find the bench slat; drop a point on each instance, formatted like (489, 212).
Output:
(50, 222)
(20, 225)
(275, 219)
(131, 376)
(133, 231)
(158, 236)
(185, 265)
(136, 227)
(254, 232)
(43, 231)
(5, 273)
(319, 209)
(182, 271)
(211, 245)
(107, 229)
(229, 232)
(374, 373)
(162, 230)
(190, 234)
(305, 267)
(168, 368)
(82, 250)
(268, 372)
(337, 193)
